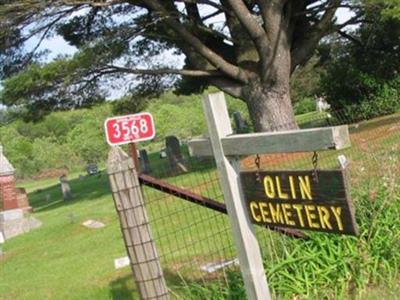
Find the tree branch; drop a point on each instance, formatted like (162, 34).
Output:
(217, 61)
(206, 2)
(255, 31)
(349, 37)
(306, 45)
(93, 3)
(228, 86)
(183, 72)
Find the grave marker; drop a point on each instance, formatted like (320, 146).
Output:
(226, 148)
(240, 123)
(65, 188)
(11, 197)
(144, 162)
(174, 154)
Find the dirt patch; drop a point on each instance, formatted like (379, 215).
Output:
(271, 160)
(367, 137)
(52, 173)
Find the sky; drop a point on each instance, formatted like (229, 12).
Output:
(58, 46)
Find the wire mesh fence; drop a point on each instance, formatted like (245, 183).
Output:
(195, 243)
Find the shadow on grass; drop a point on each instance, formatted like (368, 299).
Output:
(85, 189)
(229, 286)
(161, 168)
(122, 289)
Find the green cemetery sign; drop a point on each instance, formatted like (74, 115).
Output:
(296, 199)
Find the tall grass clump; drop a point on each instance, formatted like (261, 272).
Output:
(329, 266)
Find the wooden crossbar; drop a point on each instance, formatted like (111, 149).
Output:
(305, 140)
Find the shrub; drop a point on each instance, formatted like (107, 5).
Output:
(305, 105)
(386, 100)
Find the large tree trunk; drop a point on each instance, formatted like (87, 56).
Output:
(269, 106)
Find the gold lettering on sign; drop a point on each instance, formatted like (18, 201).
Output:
(324, 217)
(311, 216)
(269, 187)
(253, 207)
(264, 212)
(281, 195)
(288, 214)
(337, 211)
(292, 187)
(305, 187)
(276, 214)
(299, 208)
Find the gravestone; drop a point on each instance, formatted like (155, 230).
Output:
(13, 222)
(174, 153)
(321, 104)
(2, 240)
(65, 188)
(22, 199)
(93, 224)
(121, 262)
(240, 123)
(10, 196)
(47, 198)
(144, 162)
(163, 153)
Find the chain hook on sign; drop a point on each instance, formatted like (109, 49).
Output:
(257, 162)
(315, 166)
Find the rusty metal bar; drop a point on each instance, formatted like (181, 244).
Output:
(184, 194)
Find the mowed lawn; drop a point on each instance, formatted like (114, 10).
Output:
(64, 260)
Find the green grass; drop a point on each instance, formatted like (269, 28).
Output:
(33, 185)
(64, 260)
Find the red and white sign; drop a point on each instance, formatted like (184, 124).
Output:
(129, 129)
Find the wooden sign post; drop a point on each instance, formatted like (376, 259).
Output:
(226, 148)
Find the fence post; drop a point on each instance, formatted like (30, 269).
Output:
(129, 203)
(249, 254)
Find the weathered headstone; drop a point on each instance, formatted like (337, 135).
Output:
(163, 153)
(144, 162)
(48, 198)
(240, 123)
(1, 242)
(8, 195)
(121, 262)
(93, 224)
(65, 188)
(22, 199)
(13, 222)
(13, 202)
(321, 104)
(174, 154)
